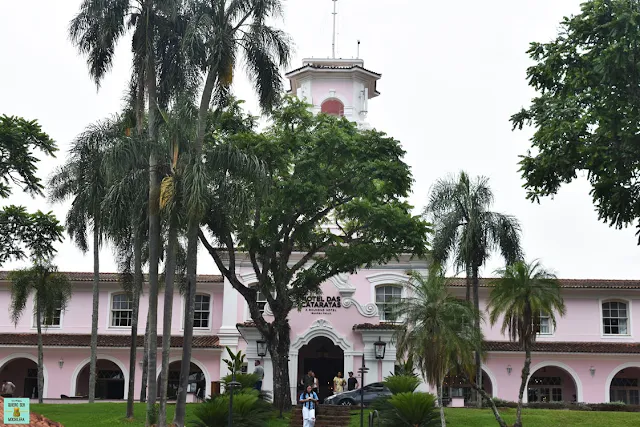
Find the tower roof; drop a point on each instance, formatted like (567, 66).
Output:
(325, 67)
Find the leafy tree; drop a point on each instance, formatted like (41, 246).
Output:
(467, 232)
(522, 293)
(220, 34)
(52, 292)
(335, 203)
(19, 230)
(83, 179)
(440, 331)
(586, 115)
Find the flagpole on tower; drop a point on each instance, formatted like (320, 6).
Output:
(333, 43)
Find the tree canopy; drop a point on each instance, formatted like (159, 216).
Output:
(587, 112)
(23, 233)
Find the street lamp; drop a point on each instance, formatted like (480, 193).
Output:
(362, 371)
(262, 347)
(61, 363)
(379, 348)
(231, 385)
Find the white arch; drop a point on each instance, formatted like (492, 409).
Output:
(33, 358)
(613, 373)
(321, 328)
(199, 364)
(567, 368)
(492, 378)
(81, 365)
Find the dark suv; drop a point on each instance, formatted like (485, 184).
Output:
(371, 392)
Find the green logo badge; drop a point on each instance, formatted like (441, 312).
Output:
(16, 411)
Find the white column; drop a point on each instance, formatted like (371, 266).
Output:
(348, 365)
(293, 377)
(229, 310)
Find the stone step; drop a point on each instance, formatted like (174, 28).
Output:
(327, 416)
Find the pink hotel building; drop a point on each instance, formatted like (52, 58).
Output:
(593, 355)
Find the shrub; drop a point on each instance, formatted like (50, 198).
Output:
(248, 411)
(501, 403)
(402, 383)
(410, 409)
(247, 384)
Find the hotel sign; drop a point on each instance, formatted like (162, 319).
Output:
(321, 305)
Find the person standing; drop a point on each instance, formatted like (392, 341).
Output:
(316, 384)
(8, 388)
(309, 400)
(259, 372)
(307, 380)
(352, 382)
(338, 383)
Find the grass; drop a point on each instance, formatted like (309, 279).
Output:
(111, 414)
(462, 417)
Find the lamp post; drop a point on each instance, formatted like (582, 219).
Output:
(233, 384)
(379, 348)
(362, 371)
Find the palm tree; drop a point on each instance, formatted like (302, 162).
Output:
(439, 333)
(467, 232)
(52, 292)
(520, 295)
(221, 31)
(82, 179)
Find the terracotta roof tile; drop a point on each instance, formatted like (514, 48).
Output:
(378, 326)
(249, 324)
(460, 282)
(332, 67)
(568, 347)
(115, 277)
(114, 341)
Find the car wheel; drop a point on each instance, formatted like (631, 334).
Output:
(347, 402)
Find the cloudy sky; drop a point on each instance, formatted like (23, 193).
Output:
(452, 74)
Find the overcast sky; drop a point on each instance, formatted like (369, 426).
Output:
(452, 74)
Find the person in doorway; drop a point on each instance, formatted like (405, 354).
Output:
(316, 385)
(309, 401)
(307, 380)
(352, 382)
(259, 372)
(7, 388)
(338, 383)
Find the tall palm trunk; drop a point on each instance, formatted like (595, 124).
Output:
(40, 351)
(192, 262)
(154, 223)
(523, 383)
(166, 325)
(443, 421)
(468, 282)
(94, 312)
(133, 350)
(476, 304)
(145, 363)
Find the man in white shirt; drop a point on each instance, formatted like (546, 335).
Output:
(8, 388)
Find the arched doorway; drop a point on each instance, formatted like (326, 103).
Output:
(625, 386)
(22, 372)
(197, 382)
(325, 359)
(333, 107)
(456, 386)
(110, 380)
(551, 384)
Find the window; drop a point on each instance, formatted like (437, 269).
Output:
(615, 318)
(201, 312)
(545, 389)
(544, 324)
(49, 322)
(386, 298)
(121, 310)
(625, 390)
(333, 107)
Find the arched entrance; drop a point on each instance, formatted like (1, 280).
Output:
(110, 380)
(325, 359)
(625, 386)
(552, 383)
(197, 382)
(456, 386)
(23, 372)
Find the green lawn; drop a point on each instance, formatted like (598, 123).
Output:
(461, 417)
(109, 414)
(112, 414)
